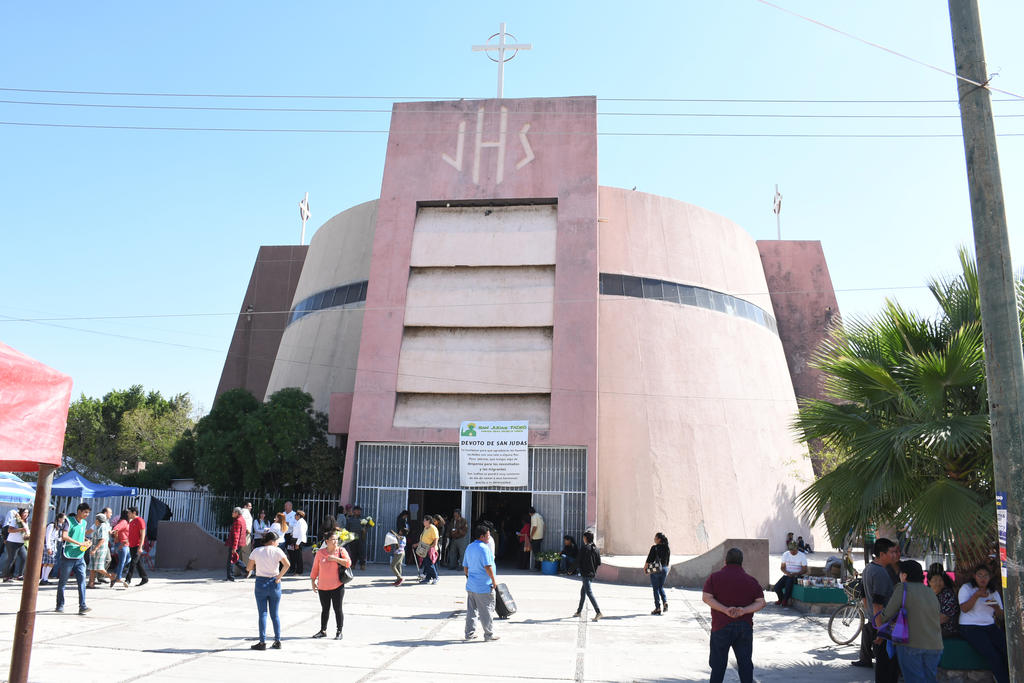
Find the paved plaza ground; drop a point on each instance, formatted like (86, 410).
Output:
(191, 626)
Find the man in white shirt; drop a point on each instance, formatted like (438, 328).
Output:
(794, 565)
(298, 531)
(247, 516)
(289, 514)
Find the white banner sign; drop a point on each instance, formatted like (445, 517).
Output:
(494, 453)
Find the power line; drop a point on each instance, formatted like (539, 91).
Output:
(311, 110)
(889, 50)
(353, 131)
(1015, 98)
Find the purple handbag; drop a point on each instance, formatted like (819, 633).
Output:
(897, 630)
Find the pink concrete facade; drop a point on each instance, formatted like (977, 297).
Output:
(488, 246)
(694, 403)
(493, 151)
(804, 302)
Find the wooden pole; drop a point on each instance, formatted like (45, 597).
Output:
(1004, 361)
(21, 652)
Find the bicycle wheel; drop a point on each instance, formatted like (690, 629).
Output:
(845, 624)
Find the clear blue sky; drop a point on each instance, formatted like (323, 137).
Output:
(98, 223)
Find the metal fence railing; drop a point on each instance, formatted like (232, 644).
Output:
(210, 512)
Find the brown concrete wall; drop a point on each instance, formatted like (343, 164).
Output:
(804, 302)
(258, 330)
(183, 545)
(694, 572)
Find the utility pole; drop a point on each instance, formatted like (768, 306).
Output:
(1004, 361)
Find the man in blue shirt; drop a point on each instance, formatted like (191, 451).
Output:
(478, 565)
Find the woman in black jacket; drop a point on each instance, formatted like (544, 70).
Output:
(657, 568)
(589, 559)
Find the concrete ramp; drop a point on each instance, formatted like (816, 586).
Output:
(185, 545)
(690, 572)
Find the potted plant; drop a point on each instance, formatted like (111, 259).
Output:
(549, 561)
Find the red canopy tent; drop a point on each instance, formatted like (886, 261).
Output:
(34, 403)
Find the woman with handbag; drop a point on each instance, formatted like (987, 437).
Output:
(656, 566)
(331, 571)
(428, 547)
(918, 639)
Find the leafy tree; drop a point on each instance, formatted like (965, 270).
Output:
(280, 445)
(908, 421)
(125, 426)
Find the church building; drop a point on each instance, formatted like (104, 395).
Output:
(654, 348)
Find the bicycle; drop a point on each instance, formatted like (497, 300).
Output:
(846, 623)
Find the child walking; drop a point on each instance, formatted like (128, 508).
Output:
(394, 543)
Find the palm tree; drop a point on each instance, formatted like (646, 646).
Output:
(907, 422)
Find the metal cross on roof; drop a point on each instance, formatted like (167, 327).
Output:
(501, 47)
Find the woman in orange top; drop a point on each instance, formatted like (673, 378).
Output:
(326, 564)
(120, 533)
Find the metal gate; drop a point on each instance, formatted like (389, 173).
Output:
(385, 472)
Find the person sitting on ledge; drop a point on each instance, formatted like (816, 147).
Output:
(794, 565)
(802, 546)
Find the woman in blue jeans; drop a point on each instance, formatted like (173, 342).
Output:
(270, 563)
(121, 552)
(980, 606)
(656, 567)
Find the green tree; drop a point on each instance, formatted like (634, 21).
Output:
(280, 445)
(125, 426)
(907, 421)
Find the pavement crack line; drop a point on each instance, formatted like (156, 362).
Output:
(581, 644)
(403, 652)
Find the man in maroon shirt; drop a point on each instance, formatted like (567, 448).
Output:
(236, 542)
(733, 596)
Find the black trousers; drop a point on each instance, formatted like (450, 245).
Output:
(356, 551)
(135, 564)
(887, 669)
(295, 558)
(867, 637)
(327, 600)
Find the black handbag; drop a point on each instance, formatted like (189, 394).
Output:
(345, 574)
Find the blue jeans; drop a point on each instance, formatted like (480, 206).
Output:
(429, 570)
(739, 635)
(784, 587)
(585, 592)
(67, 566)
(122, 561)
(990, 642)
(918, 665)
(658, 584)
(268, 594)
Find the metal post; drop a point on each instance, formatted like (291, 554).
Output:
(21, 651)
(1004, 361)
(501, 60)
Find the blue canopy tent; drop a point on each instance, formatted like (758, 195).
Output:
(73, 485)
(14, 490)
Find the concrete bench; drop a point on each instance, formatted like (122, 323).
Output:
(817, 600)
(961, 663)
